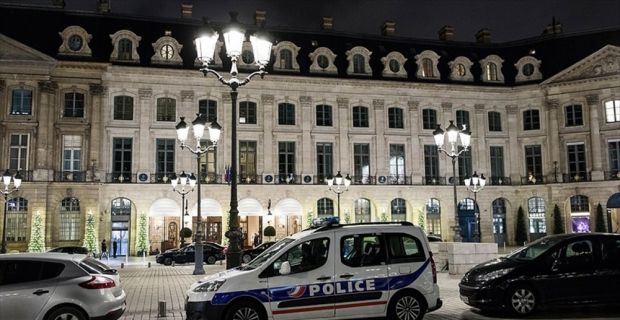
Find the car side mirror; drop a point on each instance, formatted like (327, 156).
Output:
(285, 268)
(556, 264)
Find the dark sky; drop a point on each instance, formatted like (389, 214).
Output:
(507, 19)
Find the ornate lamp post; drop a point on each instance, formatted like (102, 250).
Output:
(6, 191)
(215, 130)
(234, 37)
(475, 184)
(342, 185)
(183, 180)
(454, 135)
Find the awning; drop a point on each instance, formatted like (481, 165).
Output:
(614, 201)
(208, 208)
(250, 207)
(288, 206)
(164, 207)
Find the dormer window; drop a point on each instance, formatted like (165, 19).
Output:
(125, 45)
(427, 68)
(491, 71)
(491, 68)
(359, 58)
(286, 56)
(75, 42)
(167, 51)
(358, 64)
(286, 59)
(393, 65)
(427, 65)
(246, 60)
(323, 61)
(460, 69)
(528, 69)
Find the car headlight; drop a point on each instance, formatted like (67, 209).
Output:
(486, 277)
(209, 286)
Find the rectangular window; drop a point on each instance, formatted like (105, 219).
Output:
(21, 102)
(324, 115)
(531, 120)
(395, 118)
(497, 163)
(72, 153)
(614, 156)
(18, 152)
(464, 164)
(462, 118)
(166, 109)
(533, 160)
(123, 108)
(164, 156)
(70, 219)
(247, 160)
(208, 164)
(324, 160)
(574, 115)
(495, 121)
(74, 105)
(125, 49)
(286, 114)
(208, 108)
(360, 117)
(397, 162)
(286, 158)
(247, 112)
(612, 111)
(431, 162)
(576, 154)
(429, 119)
(361, 161)
(121, 157)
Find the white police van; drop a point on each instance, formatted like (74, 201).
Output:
(331, 272)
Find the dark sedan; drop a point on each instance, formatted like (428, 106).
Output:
(557, 270)
(250, 254)
(70, 250)
(212, 252)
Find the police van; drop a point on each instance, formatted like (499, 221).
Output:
(331, 272)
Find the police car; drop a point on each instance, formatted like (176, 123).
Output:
(331, 272)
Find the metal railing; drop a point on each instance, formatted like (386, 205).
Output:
(120, 177)
(499, 181)
(434, 180)
(612, 175)
(70, 176)
(532, 179)
(576, 177)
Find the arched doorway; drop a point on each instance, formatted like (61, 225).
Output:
(289, 212)
(164, 225)
(467, 219)
(250, 220)
(499, 221)
(121, 226)
(211, 213)
(613, 213)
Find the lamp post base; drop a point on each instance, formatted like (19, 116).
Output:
(233, 255)
(198, 254)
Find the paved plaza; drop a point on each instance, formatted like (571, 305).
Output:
(147, 286)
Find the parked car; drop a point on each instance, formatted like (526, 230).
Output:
(212, 252)
(565, 269)
(50, 286)
(248, 254)
(70, 250)
(434, 238)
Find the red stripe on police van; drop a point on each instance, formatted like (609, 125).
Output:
(361, 304)
(340, 306)
(284, 311)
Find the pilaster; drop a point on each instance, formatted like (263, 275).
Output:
(595, 137)
(343, 162)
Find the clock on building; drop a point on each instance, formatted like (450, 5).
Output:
(166, 51)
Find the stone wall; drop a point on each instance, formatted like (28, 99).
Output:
(459, 257)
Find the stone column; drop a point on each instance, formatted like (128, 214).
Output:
(305, 149)
(146, 104)
(595, 138)
(95, 136)
(45, 133)
(416, 146)
(343, 157)
(553, 136)
(514, 153)
(267, 101)
(381, 148)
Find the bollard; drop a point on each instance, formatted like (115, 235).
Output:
(172, 263)
(149, 264)
(122, 265)
(161, 309)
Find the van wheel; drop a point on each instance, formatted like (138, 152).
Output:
(246, 310)
(167, 261)
(66, 313)
(406, 306)
(246, 258)
(211, 260)
(521, 300)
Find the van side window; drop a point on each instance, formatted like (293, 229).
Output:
(611, 254)
(579, 255)
(362, 250)
(305, 256)
(404, 248)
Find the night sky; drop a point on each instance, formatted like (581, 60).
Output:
(507, 19)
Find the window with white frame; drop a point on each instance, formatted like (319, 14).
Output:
(614, 157)
(396, 120)
(361, 162)
(536, 215)
(123, 108)
(573, 115)
(358, 58)
(429, 119)
(208, 108)
(21, 101)
(531, 119)
(125, 45)
(74, 105)
(70, 219)
(433, 216)
(398, 209)
(71, 153)
(360, 117)
(491, 67)
(324, 115)
(18, 152)
(427, 62)
(362, 210)
(16, 219)
(397, 163)
(612, 111)
(247, 112)
(166, 109)
(495, 121)
(325, 207)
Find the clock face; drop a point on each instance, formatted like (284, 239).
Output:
(166, 52)
(75, 42)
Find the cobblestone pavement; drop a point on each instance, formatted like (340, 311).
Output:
(146, 287)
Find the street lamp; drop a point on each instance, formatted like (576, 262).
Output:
(453, 137)
(183, 180)
(475, 184)
(234, 37)
(341, 185)
(215, 130)
(6, 179)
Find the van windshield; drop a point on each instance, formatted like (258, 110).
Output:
(267, 254)
(535, 249)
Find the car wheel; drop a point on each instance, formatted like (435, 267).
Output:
(167, 261)
(211, 259)
(246, 258)
(244, 310)
(66, 313)
(521, 300)
(406, 306)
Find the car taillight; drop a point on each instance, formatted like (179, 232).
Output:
(434, 268)
(98, 282)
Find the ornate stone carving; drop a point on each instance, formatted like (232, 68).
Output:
(413, 105)
(378, 103)
(479, 107)
(48, 86)
(446, 106)
(97, 89)
(145, 93)
(552, 104)
(305, 99)
(187, 95)
(343, 102)
(512, 109)
(267, 98)
(592, 99)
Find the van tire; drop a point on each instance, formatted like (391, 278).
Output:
(407, 305)
(521, 300)
(246, 310)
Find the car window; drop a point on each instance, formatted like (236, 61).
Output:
(266, 255)
(577, 255)
(95, 266)
(404, 248)
(359, 250)
(20, 271)
(611, 253)
(536, 248)
(305, 256)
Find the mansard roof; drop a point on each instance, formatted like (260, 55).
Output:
(39, 29)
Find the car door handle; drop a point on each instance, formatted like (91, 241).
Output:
(40, 292)
(323, 278)
(346, 276)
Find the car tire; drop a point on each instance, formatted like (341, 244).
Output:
(246, 310)
(66, 312)
(246, 258)
(521, 300)
(167, 261)
(211, 259)
(406, 305)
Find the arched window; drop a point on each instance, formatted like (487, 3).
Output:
(70, 219)
(580, 213)
(16, 220)
(286, 59)
(536, 213)
(121, 207)
(399, 209)
(433, 216)
(579, 203)
(359, 64)
(427, 68)
(499, 220)
(491, 70)
(125, 49)
(362, 210)
(325, 207)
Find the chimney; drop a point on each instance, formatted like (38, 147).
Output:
(103, 6)
(260, 17)
(554, 28)
(483, 36)
(389, 27)
(58, 3)
(446, 33)
(327, 23)
(186, 9)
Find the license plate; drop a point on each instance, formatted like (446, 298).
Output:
(464, 299)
